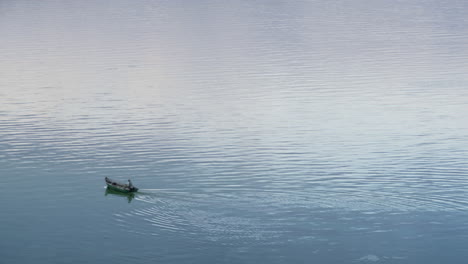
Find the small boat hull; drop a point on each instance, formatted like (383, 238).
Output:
(120, 187)
(128, 195)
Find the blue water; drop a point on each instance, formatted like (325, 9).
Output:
(257, 131)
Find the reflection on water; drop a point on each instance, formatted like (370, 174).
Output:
(258, 131)
(129, 196)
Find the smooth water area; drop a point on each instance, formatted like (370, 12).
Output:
(257, 131)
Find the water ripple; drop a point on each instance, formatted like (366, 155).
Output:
(243, 123)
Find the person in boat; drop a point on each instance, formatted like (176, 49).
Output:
(130, 184)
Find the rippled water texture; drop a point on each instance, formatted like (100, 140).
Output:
(257, 131)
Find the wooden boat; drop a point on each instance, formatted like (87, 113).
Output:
(121, 187)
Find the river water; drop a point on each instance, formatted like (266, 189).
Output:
(257, 131)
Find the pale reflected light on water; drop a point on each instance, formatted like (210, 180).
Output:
(257, 131)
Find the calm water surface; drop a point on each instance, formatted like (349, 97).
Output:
(258, 131)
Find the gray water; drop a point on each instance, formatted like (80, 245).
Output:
(257, 131)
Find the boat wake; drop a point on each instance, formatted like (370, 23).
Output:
(160, 191)
(199, 216)
(235, 216)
